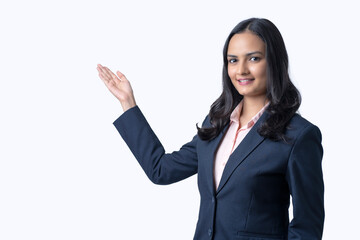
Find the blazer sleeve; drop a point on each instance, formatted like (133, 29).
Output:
(161, 168)
(305, 179)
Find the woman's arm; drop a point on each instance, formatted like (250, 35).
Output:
(161, 168)
(305, 179)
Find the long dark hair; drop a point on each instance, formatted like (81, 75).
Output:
(284, 98)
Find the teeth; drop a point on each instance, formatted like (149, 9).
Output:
(244, 80)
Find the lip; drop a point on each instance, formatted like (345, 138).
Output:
(245, 81)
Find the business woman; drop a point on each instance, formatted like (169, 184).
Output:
(252, 151)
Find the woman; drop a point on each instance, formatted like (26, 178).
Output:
(252, 152)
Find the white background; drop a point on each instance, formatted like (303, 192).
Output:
(65, 173)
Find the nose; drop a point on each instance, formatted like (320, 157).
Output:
(242, 68)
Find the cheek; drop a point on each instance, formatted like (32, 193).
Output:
(264, 73)
(259, 72)
(231, 72)
(262, 70)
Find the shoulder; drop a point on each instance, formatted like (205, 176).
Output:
(299, 126)
(298, 122)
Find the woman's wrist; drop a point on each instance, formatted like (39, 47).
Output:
(128, 104)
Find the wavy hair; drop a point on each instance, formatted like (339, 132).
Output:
(283, 96)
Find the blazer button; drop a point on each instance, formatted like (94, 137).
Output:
(212, 199)
(209, 232)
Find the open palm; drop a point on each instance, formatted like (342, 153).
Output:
(118, 85)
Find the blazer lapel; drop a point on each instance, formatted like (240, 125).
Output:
(248, 144)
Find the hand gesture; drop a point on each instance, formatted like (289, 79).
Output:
(118, 85)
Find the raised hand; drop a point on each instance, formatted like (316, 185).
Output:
(118, 85)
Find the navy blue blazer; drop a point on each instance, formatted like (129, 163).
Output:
(252, 200)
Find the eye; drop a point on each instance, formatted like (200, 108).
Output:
(232, 60)
(255, 59)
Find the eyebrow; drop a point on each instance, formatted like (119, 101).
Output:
(248, 54)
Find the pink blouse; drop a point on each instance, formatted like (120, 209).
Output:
(233, 137)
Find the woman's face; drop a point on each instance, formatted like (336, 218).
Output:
(247, 64)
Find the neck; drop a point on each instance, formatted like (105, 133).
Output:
(251, 106)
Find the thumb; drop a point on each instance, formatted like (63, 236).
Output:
(121, 76)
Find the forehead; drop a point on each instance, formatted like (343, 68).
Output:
(243, 43)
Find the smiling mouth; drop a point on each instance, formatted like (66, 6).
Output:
(245, 80)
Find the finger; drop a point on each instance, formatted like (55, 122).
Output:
(103, 72)
(121, 76)
(107, 73)
(103, 77)
(100, 68)
(108, 82)
(115, 78)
